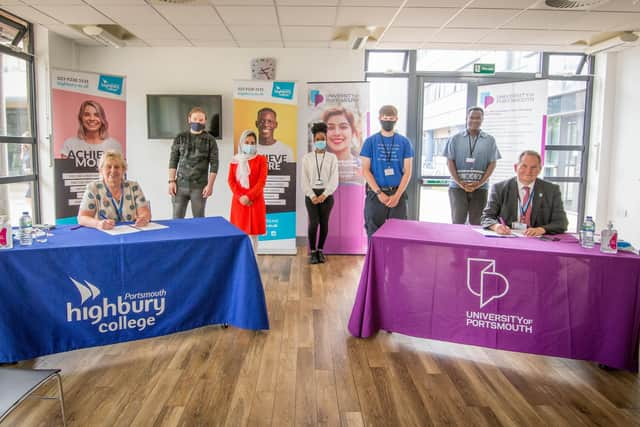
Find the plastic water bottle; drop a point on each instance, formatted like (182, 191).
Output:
(26, 228)
(587, 232)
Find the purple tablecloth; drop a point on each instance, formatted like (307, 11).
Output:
(450, 283)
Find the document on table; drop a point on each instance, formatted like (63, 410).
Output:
(151, 226)
(489, 233)
(131, 228)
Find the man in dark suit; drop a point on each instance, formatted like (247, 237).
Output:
(525, 201)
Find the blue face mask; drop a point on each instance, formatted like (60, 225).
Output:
(320, 144)
(249, 148)
(197, 127)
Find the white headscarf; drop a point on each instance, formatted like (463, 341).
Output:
(243, 171)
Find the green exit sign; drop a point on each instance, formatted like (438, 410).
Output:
(484, 68)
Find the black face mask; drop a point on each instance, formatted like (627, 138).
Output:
(387, 125)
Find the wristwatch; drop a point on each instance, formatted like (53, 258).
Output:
(172, 180)
(378, 191)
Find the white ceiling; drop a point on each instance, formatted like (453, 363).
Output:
(496, 24)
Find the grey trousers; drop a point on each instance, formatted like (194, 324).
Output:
(375, 213)
(181, 200)
(465, 205)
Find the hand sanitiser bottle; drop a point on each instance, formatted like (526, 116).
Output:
(6, 235)
(609, 240)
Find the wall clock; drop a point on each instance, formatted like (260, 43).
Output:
(263, 68)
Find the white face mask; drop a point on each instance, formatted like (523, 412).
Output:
(249, 148)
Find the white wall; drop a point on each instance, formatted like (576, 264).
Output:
(203, 70)
(622, 198)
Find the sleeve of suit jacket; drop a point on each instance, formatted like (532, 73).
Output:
(491, 212)
(559, 221)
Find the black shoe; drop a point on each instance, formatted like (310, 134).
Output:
(321, 258)
(314, 258)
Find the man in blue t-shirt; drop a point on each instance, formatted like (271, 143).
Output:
(386, 165)
(471, 158)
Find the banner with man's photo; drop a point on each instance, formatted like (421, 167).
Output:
(344, 107)
(270, 109)
(89, 118)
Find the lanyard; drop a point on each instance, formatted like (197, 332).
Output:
(319, 168)
(475, 141)
(115, 205)
(523, 209)
(388, 152)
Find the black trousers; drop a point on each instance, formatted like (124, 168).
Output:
(465, 205)
(318, 217)
(375, 213)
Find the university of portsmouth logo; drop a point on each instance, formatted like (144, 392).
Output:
(483, 280)
(137, 311)
(486, 99)
(315, 97)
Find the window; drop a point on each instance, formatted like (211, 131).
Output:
(463, 60)
(567, 65)
(387, 61)
(18, 153)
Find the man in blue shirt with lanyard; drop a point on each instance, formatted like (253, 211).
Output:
(472, 156)
(386, 165)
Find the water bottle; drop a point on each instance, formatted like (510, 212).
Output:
(609, 240)
(587, 232)
(26, 235)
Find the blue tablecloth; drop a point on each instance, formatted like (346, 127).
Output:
(85, 288)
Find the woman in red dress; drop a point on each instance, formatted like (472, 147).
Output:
(247, 177)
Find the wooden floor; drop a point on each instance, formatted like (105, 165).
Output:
(308, 370)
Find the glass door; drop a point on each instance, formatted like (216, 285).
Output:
(443, 115)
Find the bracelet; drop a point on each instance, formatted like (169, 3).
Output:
(172, 180)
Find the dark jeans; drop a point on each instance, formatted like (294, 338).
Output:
(181, 200)
(375, 213)
(465, 204)
(318, 216)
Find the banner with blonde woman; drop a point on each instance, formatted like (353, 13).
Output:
(89, 118)
(344, 107)
(270, 109)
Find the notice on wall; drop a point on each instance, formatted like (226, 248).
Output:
(516, 115)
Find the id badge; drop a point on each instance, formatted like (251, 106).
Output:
(518, 226)
(388, 172)
(470, 160)
(319, 183)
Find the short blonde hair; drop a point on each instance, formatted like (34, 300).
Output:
(112, 155)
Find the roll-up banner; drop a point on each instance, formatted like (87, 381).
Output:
(270, 108)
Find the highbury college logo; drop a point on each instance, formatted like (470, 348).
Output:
(132, 311)
(483, 280)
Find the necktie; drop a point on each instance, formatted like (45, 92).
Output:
(525, 199)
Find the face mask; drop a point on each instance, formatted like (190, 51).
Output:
(320, 144)
(249, 148)
(197, 127)
(387, 125)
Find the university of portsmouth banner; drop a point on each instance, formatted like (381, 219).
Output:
(516, 115)
(270, 109)
(344, 107)
(89, 118)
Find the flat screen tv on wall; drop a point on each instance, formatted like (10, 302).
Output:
(167, 114)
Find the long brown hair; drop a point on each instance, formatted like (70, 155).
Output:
(104, 124)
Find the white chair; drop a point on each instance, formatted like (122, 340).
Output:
(18, 384)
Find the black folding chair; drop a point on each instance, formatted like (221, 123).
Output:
(18, 384)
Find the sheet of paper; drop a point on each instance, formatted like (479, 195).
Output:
(120, 229)
(151, 226)
(489, 233)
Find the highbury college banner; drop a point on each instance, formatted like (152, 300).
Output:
(344, 107)
(89, 117)
(270, 109)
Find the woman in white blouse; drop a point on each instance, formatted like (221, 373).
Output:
(319, 181)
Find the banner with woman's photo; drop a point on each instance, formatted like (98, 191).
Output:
(89, 118)
(270, 109)
(344, 107)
